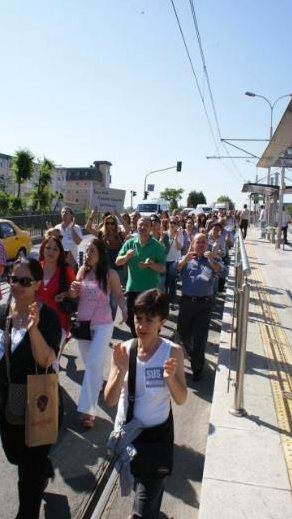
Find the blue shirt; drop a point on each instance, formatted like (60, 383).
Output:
(198, 277)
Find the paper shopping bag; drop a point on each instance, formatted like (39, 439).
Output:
(41, 420)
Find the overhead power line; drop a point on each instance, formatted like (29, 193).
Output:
(194, 74)
(195, 20)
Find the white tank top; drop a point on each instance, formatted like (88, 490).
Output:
(152, 398)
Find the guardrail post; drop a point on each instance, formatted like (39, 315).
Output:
(238, 409)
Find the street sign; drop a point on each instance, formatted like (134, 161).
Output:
(150, 187)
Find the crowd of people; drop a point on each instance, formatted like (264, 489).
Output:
(135, 263)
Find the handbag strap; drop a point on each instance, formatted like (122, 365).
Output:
(132, 379)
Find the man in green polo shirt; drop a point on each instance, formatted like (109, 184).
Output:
(145, 259)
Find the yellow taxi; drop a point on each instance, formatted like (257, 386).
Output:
(16, 242)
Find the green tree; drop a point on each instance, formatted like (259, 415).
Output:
(173, 196)
(5, 200)
(225, 198)
(42, 194)
(17, 204)
(195, 198)
(22, 167)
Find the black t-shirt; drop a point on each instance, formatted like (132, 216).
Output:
(22, 362)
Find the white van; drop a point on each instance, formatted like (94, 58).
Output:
(206, 208)
(155, 206)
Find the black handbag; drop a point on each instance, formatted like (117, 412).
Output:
(80, 329)
(154, 445)
(68, 306)
(17, 393)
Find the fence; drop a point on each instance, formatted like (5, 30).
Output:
(36, 224)
(240, 319)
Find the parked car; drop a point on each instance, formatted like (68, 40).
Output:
(16, 242)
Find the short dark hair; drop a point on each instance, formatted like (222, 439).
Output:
(152, 303)
(215, 224)
(33, 266)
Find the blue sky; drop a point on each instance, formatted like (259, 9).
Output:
(110, 80)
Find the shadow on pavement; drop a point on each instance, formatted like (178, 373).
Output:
(188, 466)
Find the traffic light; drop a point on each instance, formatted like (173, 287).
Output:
(146, 195)
(134, 193)
(178, 166)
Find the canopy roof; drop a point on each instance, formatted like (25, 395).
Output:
(278, 153)
(264, 189)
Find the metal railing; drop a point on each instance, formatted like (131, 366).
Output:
(36, 224)
(240, 320)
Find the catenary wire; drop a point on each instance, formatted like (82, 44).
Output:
(195, 20)
(198, 87)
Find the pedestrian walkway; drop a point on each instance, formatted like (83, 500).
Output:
(248, 467)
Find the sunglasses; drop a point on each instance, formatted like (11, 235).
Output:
(110, 223)
(24, 282)
(173, 223)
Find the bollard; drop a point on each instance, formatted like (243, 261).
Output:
(238, 409)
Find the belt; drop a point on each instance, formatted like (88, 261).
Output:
(196, 298)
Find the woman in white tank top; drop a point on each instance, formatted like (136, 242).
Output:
(159, 376)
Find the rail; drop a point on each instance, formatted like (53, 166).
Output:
(240, 321)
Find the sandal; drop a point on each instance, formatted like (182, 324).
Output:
(88, 421)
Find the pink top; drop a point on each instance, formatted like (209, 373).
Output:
(94, 304)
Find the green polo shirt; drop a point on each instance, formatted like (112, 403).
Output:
(142, 279)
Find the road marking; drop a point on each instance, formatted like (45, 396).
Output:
(279, 357)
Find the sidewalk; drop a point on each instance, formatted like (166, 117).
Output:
(248, 468)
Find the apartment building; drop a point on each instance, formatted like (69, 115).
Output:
(80, 182)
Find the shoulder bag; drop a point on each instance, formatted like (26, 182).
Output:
(80, 330)
(154, 458)
(67, 306)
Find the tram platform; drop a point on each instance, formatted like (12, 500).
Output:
(248, 464)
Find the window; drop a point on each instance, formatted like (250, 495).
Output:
(6, 230)
(76, 200)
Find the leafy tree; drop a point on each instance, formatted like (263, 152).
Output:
(195, 198)
(224, 198)
(42, 194)
(22, 167)
(173, 196)
(5, 200)
(17, 204)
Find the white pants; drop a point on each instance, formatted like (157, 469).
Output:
(94, 354)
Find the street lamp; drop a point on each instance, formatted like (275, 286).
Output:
(271, 105)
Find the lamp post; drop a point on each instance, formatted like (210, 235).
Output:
(271, 105)
(178, 167)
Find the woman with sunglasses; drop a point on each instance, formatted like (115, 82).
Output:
(174, 253)
(34, 338)
(94, 285)
(57, 280)
(113, 240)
